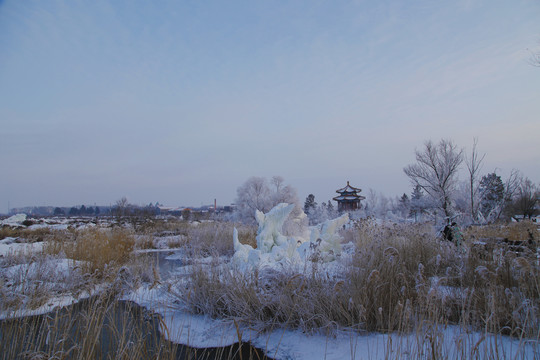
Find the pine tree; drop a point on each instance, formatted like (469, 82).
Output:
(331, 210)
(310, 206)
(491, 194)
(404, 205)
(417, 202)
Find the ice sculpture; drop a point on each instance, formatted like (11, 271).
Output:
(274, 247)
(325, 239)
(271, 225)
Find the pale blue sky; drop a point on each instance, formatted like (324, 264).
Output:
(181, 101)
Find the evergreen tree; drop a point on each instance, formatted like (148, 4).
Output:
(310, 206)
(404, 205)
(417, 203)
(491, 194)
(331, 210)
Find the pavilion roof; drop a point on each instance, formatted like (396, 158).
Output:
(348, 189)
(349, 198)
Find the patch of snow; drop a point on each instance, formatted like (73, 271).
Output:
(10, 247)
(451, 342)
(15, 220)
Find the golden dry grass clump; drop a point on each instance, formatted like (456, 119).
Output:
(98, 248)
(515, 231)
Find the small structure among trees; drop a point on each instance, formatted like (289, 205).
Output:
(348, 199)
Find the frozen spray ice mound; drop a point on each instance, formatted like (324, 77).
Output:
(273, 247)
(325, 240)
(14, 220)
(271, 225)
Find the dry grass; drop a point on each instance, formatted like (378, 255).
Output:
(102, 328)
(517, 231)
(400, 277)
(98, 248)
(98, 327)
(29, 235)
(211, 238)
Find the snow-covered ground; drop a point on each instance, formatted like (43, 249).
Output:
(182, 327)
(450, 342)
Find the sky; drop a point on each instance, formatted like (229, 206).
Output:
(180, 102)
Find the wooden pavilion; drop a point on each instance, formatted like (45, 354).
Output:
(349, 199)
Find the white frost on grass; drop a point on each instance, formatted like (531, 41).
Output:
(10, 246)
(52, 282)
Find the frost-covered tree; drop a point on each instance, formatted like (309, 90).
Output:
(310, 204)
(254, 194)
(474, 164)
(332, 212)
(257, 194)
(311, 210)
(491, 191)
(377, 205)
(418, 203)
(435, 171)
(404, 205)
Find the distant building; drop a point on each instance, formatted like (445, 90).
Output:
(348, 199)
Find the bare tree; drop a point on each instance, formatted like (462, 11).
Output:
(526, 199)
(511, 187)
(253, 195)
(256, 194)
(436, 170)
(474, 164)
(121, 206)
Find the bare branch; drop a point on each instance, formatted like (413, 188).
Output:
(435, 171)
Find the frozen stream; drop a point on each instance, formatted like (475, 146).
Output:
(123, 328)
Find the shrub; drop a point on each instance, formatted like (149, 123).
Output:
(98, 248)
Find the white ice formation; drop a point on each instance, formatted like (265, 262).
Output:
(14, 220)
(271, 225)
(325, 239)
(274, 247)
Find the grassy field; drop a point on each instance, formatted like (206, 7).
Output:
(394, 279)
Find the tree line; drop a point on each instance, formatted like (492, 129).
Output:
(437, 192)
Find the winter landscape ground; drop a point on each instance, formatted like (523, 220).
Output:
(358, 289)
